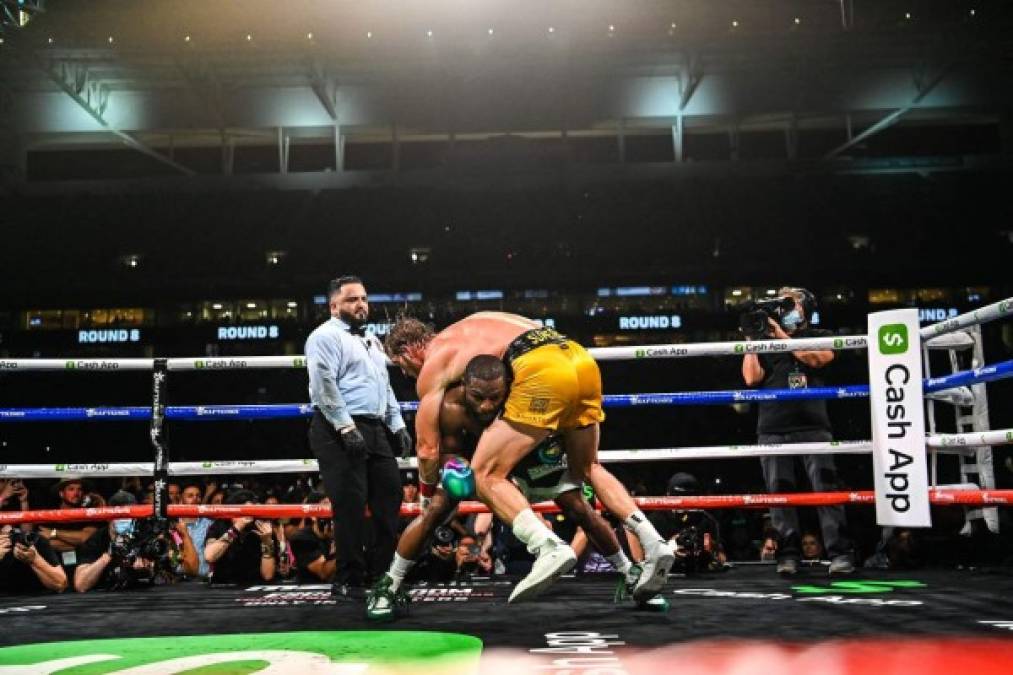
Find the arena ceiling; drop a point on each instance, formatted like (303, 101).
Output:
(158, 76)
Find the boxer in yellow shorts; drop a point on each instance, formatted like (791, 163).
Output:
(556, 385)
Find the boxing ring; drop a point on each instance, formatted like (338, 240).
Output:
(579, 615)
(954, 389)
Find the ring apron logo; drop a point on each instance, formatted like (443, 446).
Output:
(295, 652)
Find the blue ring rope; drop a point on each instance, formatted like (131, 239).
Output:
(204, 413)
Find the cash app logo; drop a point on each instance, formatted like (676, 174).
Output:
(860, 586)
(299, 652)
(893, 339)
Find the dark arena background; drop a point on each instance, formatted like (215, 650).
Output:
(181, 179)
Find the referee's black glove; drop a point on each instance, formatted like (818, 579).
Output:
(404, 442)
(354, 443)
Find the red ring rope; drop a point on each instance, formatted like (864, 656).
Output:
(942, 497)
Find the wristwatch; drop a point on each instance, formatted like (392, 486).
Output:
(52, 534)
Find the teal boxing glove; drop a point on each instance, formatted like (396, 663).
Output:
(458, 479)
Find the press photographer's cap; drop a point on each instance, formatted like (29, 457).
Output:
(683, 484)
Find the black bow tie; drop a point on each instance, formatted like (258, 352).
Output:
(360, 331)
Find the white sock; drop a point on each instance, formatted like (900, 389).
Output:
(620, 561)
(531, 530)
(649, 538)
(399, 569)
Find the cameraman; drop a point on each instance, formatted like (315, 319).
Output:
(693, 533)
(797, 422)
(313, 545)
(108, 556)
(28, 563)
(469, 559)
(241, 550)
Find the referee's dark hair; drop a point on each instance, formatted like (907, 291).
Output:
(335, 284)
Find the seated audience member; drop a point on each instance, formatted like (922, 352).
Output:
(124, 553)
(14, 495)
(470, 559)
(286, 558)
(812, 548)
(439, 563)
(241, 550)
(174, 492)
(27, 563)
(695, 534)
(65, 537)
(313, 546)
(897, 550)
(192, 533)
(409, 495)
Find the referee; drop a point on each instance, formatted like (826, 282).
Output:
(356, 424)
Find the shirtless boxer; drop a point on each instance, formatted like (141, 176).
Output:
(555, 386)
(467, 409)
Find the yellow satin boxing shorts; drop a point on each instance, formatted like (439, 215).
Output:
(556, 384)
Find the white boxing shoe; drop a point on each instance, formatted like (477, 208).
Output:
(656, 566)
(555, 558)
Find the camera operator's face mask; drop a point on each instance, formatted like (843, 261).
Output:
(123, 527)
(792, 319)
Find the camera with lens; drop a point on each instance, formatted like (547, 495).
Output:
(443, 536)
(25, 538)
(470, 564)
(753, 315)
(147, 541)
(691, 555)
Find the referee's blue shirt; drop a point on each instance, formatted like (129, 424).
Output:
(348, 376)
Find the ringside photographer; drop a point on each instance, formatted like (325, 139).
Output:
(241, 550)
(126, 553)
(788, 317)
(27, 563)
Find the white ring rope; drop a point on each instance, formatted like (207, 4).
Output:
(234, 467)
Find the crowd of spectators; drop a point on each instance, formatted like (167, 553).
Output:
(126, 553)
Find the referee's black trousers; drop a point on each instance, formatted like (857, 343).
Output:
(364, 546)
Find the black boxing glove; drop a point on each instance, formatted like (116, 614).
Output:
(354, 442)
(404, 442)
